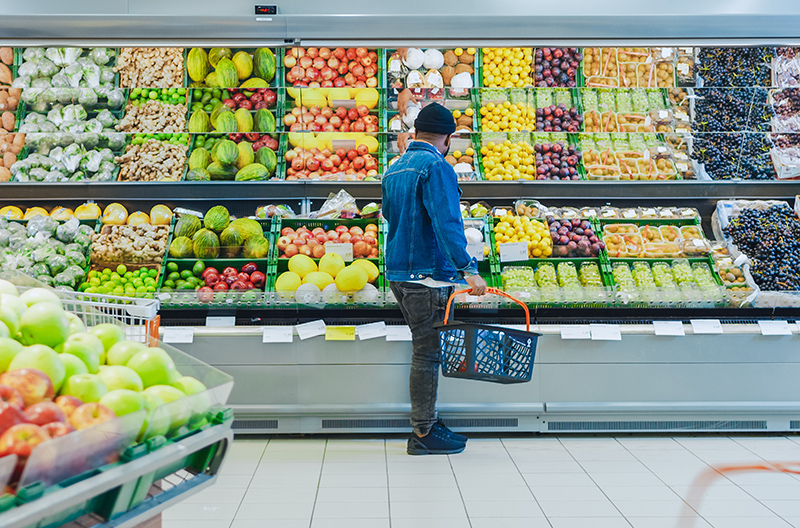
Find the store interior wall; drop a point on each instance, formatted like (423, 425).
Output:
(462, 7)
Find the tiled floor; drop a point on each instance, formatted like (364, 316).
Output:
(531, 482)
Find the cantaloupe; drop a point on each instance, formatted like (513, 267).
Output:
(287, 283)
(351, 279)
(302, 265)
(318, 278)
(331, 263)
(369, 267)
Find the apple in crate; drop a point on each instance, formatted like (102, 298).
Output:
(33, 385)
(124, 401)
(43, 358)
(44, 323)
(21, 439)
(119, 377)
(11, 396)
(56, 429)
(110, 335)
(8, 349)
(90, 414)
(68, 403)
(10, 415)
(88, 388)
(44, 413)
(87, 347)
(123, 351)
(154, 366)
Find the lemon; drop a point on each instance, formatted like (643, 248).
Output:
(471, 51)
(470, 151)
(457, 154)
(456, 114)
(458, 52)
(469, 112)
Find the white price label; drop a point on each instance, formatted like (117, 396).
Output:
(669, 328)
(220, 321)
(344, 250)
(741, 260)
(398, 333)
(706, 326)
(178, 334)
(649, 59)
(605, 332)
(311, 329)
(629, 214)
(683, 68)
(513, 252)
(475, 250)
(576, 332)
(775, 328)
(347, 144)
(371, 331)
(346, 103)
(395, 65)
(698, 243)
(277, 334)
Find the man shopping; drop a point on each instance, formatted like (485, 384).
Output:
(426, 255)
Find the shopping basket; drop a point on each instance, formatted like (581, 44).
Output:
(485, 352)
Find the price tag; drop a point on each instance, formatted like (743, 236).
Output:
(666, 53)
(347, 144)
(649, 59)
(219, 321)
(605, 332)
(683, 68)
(775, 328)
(178, 334)
(513, 252)
(347, 103)
(576, 332)
(669, 328)
(398, 333)
(395, 125)
(371, 331)
(740, 260)
(706, 326)
(311, 329)
(340, 333)
(344, 250)
(663, 114)
(163, 296)
(475, 250)
(395, 65)
(277, 334)
(629, 214)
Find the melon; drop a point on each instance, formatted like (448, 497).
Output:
(367, 295)
(187, 226)
(332, 295)
(308, 294)
(302, 265)
(318, 278)
(331, 263)
(369, 267)
(230, 240)
(248, 227)
(181, 247)
(352, 279)
(255, 247)
(206, 244)
(217, 218)
(287, 283)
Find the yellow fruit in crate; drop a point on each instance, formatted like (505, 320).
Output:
(293, 92)
(370, 142)
(523, 229)
(35, 211)
(61, 213)
(352, 279)
(311, 97)
(367, 97)
(369, 267)
(160, 215)
(87, 211)
(320, 279)
(337, 94)
(115, 214)
(302, 265)
(288, 281)
(138, 218)
(332, 264)
(11, 212)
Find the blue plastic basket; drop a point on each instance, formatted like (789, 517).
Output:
(486, 352)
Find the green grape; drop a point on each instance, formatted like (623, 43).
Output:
(564, 97)
(589, 100)
(623, 277)
(590, 275)
(518, 278)
(662, 276)
(683, 274)
(703, 277)
(607, 102)
(643, 276)
(546, 275)
(568, 276)
(639, 100)
(624, 102)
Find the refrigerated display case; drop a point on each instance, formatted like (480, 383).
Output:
(646, 100)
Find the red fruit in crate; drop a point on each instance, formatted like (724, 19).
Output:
(236, 137)
(211, 279)
(361, 52)
(11, 396)
(68, 403)
(229, 279)
(205, 294)
(263, 104)
(230, 270)
(312, 52)
(360, 84)
(256, 97)
(328, 83)
(339, 82)
(362, 150)
(238, 97)
(250, 267)
(207, 271)
(90, 414)
(306, 62)
(345, 127)
(325, 53)
(339, 53)
(366, 61)
(335, 160)
(270, 97)
(345, 237)
(333, 63)
(252, 136)
(352, 154)
(287, 231)
(297, 52)
(318, 251)
(21, 439)
(300, 84)
(341, 229)
(351, 54)
(355, 238)
(271, 143)
(57, 429)
(242, 276)
(230, 103)
(305, 249)
(369, 239)
(331, 235)
(350, 79)
(44, 413)
(371, 164)
(358, 163)
(320, 63)
(247, 105)
(10, 415)
(291, 250)
(33, 384)
(297, 163)
(221, 286)
(352, 114)
(358, 126)
(258, 279)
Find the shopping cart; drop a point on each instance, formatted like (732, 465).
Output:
(485, 352)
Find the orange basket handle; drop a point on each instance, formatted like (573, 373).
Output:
(495, 291)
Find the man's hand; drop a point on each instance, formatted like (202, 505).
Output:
(478, 285)
(403, 99)
(403, 139)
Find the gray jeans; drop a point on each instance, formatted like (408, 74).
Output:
(422, 307)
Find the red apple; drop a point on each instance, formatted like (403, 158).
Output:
(312, 52)
(352, 114)
(362, 52)
(357, 69)
(320, 63)
(211, 279)
(341, 229)
(325, 53)
(351, 54)
(258, 279)
(11, 396)
(359, 126)
(298, 52)
(352, 154)
(68, 403)
(221, 286)
(44, 413)
(90, 414)
(339, 53)
(306, 62)
(21, 439)
(57, 429)
(350, 79)
(243, 276)
(205, 294)
(250, 267)
(358, 163)
(10, 415)
(230, 270)
(345, 237)
(305, 250)
(297, 164)
(289, 61)
(291, 250)
(33, 385)
(238, 286)
(339, 82)
(362, 150)
(208, 270)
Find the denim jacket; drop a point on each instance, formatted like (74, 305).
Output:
(426, 231)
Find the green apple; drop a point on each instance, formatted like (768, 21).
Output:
(157, 420)
(73, 365)
(119, 377)
(124, 401)
(153, 365)
(109, 334)
(4, 331)
(8, 349)
(196, 392)
(44, 324)
(87, 347)
(40, 295)
(9, 316)
(41, 357)
(13, 302)
(7, 287)
(122, 352)
(88, 388)
(76, 326)
(179, 411)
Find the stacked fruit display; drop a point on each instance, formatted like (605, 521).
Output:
(56, 378)
(208, 99)
(327, 119)
(320, 164)
(507, 67)
(216, 235)
(228, 160)
(223, 118)
(210, 283)
(140, 96)
(432, 68)
(556, 67)
(121, 282)
(574, 238)
(557, 161)
(329, 282)
(222, 68)
(311, 242)
(508, 161)
(326, 68)
(510, 229)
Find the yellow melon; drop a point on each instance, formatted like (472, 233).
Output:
(11, 212)
(61, 213)
(302, 265)
(320, 279)
(367, 97)
(352, 279)
(369, 267)
(332, 264)
(288, 281)
(35, 211)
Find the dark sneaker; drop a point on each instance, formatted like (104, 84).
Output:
(453, 435)
(437, 442)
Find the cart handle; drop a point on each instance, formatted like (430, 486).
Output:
(495, 291)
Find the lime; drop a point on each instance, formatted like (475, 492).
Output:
(185, 274)
(174, 276)
(107, 271)
(169, 284)
(152, 273)
(172, 266)
(122, 269)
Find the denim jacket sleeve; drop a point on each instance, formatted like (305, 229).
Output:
(440, 196)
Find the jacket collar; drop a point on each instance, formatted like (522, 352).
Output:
(421, 145)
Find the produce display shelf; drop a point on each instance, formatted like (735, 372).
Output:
(280, 171)
(277, 110)
(276, 81)
(285, 147)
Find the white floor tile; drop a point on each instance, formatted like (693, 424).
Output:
(345, 468)
(716, 491)
(270, 495)
(567, 508)
(270, 523)
(521, 522)
(428, 510)
(276, 510)
(747, 522)
(425, 494)
(349, 523)
(742, 508)
(784, 508)
(665, 522)
(202, 512)
(352, 510)
(558, 479)
(616, 493)
(406, 480)
(233, 481)
(176, 523)
(274, 480)
(761, 478)
(613, 466)
(626, 479)
(415, 468)
(655, 508)
(762, 493)
(594, 522)
(376, 494)
(544, 493)
(492, 493)
(494, 479)
(352, 480)
(440, 522)
(794, 521)
(501, 510)
(216, 495)
(561, 466)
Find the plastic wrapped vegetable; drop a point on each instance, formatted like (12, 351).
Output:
(41, 82)
(67, 231)
(91, 74)
(29, 69)
(88, 97)
(5, 234)
(106, 118)
(116, 140)
(44, 99)
(107, 75)
(33, 53)
(63, 56)
(116, 98)
(58, 263)
(91, 161)
(93, 125)
(40, 268)
(86, 230)
(76, 258)
(43, 253)
(53, 176)
(42, 224)
(29, 95)
(101, 56)
(22, 81)
(47, 68)
(78, 176)
(38, 174)
(74, 113)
